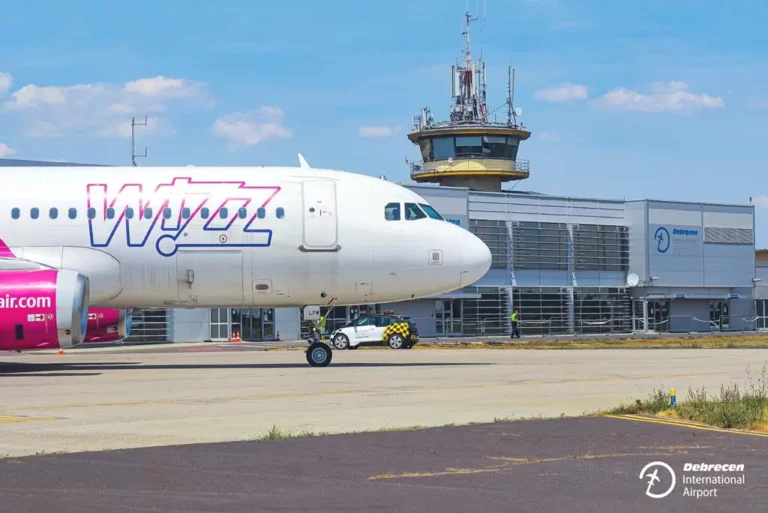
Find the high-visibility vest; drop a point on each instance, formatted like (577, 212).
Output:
(321, 323)
(513, 317)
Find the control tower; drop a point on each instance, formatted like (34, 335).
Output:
(469, 150)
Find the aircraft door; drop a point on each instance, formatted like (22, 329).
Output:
(320, 216)
(210, 277)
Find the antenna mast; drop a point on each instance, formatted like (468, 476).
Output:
(134, 124)
(468, 81)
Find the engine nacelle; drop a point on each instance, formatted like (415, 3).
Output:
(107, 325)
(42, 309)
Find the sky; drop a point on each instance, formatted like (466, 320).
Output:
(663, 100)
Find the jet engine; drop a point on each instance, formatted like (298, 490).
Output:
(107, 325)
(42, 309)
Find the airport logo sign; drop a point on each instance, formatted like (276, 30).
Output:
(663, 239)
(653, 478)
(701, 480)
(195, 219)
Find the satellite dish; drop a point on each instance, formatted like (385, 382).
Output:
(518, 111)
(633, 280)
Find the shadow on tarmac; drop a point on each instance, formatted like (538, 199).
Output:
(69, 369)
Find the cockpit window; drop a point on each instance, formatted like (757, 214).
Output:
(392, 212)
(413, 212)
(431, 212)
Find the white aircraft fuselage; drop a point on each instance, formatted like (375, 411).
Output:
(231, 236)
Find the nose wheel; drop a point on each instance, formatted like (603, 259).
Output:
(319, 354)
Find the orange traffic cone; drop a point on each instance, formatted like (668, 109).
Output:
(61, 351)
(235, 336)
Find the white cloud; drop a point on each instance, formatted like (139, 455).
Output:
(672, 96)
(102, 109)
(760, 201)
(563, 93)
(161, 87)
(6, 151)
(5, 82)
(549, 137)
(245, 129)
(378, 131)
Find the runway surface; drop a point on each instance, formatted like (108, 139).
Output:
(578, 465)
(85, 401)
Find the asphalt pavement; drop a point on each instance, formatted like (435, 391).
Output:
(588, 465)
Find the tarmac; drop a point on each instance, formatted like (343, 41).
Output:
(131, 397)
(578, 465)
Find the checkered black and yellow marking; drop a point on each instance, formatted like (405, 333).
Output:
(402, 328)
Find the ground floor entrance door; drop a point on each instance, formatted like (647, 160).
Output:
(258, 324)
(448, 317)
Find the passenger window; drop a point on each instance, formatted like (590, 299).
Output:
(110, 213)
(223, 213)
(15, 213)
(129, 213)
(431, 212)
(204, 213)
(261, 213)
(413, 212)
(242, 213)
(72, 213)
(34, 213)
(185, 213)
(280, 212)
(147, 213)
(392, 212)
(382, 322)
(167, 213)
(53, 213)
(91, 213)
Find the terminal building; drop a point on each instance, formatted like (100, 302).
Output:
(568, 265)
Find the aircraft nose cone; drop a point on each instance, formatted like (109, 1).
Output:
(476, 259)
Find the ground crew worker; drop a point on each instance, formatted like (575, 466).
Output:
(514, 319)
(321, 326)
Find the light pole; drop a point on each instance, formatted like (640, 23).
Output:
(648, 284)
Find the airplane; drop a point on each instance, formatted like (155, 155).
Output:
(82, 248)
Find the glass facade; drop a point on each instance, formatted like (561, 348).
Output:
(601, 247)
(539, 246)
(469, 146)
(149, 325)
(253, 324)
(548, 246)
(548, 310)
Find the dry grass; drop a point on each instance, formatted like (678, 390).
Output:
(733, 408)
(683, 342)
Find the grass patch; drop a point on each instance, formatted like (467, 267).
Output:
(755, 341)
(276, 433)
(732, 408)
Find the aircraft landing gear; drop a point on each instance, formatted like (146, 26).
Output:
(319, 354)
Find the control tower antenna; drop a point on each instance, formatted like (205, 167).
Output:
(469, 149)
(134, 124)
(511, 97)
